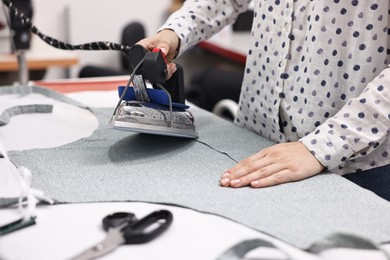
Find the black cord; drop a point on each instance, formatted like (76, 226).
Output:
(92, 46)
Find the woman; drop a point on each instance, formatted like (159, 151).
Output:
(316, 82)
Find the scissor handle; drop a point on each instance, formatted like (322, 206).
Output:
(118, 219)
(148, 228)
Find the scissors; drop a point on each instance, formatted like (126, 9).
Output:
(124, 228)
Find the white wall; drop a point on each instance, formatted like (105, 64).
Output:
(95, 20)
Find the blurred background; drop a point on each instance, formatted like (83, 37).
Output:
(84, 21)
(119, 21)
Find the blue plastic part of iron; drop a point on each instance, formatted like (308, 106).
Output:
(156, 96)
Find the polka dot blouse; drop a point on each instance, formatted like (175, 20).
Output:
(316, 72)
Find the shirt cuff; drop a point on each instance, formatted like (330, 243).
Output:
(330, 148)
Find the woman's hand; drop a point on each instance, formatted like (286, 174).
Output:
(280, 163)
(168, 42)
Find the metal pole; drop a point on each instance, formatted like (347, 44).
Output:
(23, 68)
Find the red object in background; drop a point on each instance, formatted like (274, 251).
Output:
(67, 86)
(223, 52)
(2, 25)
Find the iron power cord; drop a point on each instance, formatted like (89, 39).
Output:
(101, 45)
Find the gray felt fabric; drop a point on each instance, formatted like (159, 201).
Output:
(26, 90)
(121, 166)
(332, 241)
(239, 250)
(33, 108)
(6, 202)
(338, 240)
(6, 115)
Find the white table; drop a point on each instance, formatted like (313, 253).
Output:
(62, 231)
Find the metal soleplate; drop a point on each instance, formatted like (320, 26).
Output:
(152, 129)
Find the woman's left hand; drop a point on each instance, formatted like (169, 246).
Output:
(280, 163)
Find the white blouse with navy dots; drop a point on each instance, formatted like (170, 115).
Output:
(316, 71)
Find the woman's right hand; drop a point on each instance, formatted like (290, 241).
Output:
(166, 40)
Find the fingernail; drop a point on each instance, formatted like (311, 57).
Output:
(255, 183)
(225, 175)
(225, 181)
(163, 50)
(234, 182)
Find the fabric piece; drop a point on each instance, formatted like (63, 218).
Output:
(5, 202)
(238, 251)
(115, 165)
(22, 100)
(337, 240)
(67, 121)
(345, 241)
(27, 90)
(19, 110)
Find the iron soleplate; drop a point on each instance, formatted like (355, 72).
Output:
(153, 129)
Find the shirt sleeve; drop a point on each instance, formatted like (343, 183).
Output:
(198, 20)
(360, 127)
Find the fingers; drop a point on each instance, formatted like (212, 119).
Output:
(280, 163)
(248, 165)
(272, 180)
(243, 178)
(164, 46)
(255, 161)
(171, 67)
(166, 40)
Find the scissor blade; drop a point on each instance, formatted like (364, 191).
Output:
(113, 240)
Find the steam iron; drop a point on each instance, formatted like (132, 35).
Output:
(160, 110)
(157, 109)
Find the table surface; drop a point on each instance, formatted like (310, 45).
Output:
(63, 231)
